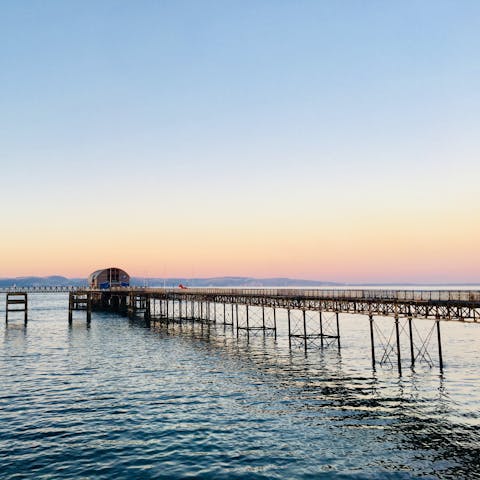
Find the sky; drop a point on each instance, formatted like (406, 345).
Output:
(327, 140)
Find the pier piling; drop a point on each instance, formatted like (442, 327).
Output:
(17, 302)
(372, 340)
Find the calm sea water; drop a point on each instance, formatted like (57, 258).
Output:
(120, 400)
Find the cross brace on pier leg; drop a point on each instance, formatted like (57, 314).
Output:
(418, 343)
(312, 328)
(256, 318)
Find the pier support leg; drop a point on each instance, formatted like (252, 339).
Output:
(275, 322)
(236, 311)
(321, 328)
(372, 340)
(410, 335)
(399, 354)
(289, 329)
(304, 329)
(338, 329)
(70, 307)
(440, 356)
(89, 309)
(148, 313)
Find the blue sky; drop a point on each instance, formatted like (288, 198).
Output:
(324, 111)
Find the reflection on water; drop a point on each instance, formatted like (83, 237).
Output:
(120, 400)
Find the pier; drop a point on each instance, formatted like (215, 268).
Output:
(313, 316)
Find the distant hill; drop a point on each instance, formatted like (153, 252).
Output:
(230, 282)
(57, 280)
(53, 280)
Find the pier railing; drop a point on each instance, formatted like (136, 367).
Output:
(337, 293)
(341, 294)
(370, 294)
(41, 289)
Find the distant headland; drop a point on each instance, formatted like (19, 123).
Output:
(58, 280)
(228, 281)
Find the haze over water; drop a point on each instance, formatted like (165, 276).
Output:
(121, 400)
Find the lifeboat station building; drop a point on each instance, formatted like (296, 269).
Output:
(108, 278)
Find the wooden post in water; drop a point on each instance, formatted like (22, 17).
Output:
(89, 308)
(20, 299)
(70, 307)
(147, 314)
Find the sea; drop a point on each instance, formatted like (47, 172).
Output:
(120, 399)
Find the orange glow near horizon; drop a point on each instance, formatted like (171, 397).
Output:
(249, 144)
(359, 249)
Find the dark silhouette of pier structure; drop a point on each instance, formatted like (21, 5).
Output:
(16, 302)
(313, 316)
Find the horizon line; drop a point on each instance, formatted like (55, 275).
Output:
(327, 282)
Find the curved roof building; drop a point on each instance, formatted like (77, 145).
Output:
(108, 278)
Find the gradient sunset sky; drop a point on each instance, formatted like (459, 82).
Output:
(328, 140)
